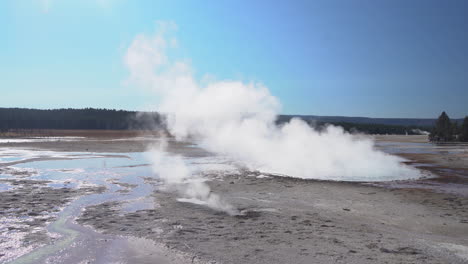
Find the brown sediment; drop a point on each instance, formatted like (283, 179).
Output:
(446, 163)
(457, 161)
(109, 145)
(94, 133)
(402, 138)
(453, 169)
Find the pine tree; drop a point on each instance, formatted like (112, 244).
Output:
(443, 130)
(464, 130)
(455, 131)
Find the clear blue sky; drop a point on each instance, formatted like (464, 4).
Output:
(356, 58)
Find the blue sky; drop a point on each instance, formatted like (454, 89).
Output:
(354, 58)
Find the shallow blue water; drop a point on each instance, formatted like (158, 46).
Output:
(68, 173)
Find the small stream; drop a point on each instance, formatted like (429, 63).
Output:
(124, 179)
(128, 179)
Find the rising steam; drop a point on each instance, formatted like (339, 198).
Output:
(237, 119)
(181, 178)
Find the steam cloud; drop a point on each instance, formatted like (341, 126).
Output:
(237, 119)
(181, 178)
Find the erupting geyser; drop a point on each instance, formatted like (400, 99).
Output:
(237, 119)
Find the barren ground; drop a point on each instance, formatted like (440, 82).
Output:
(287, 220)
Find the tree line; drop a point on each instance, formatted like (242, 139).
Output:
(365, 128)
(110, 119)
(446, 131)
(88, 118)
(379, 129)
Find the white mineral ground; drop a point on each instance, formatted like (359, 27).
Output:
(280, 220)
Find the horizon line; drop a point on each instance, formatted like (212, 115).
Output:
(281, 114)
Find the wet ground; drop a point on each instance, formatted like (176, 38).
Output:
(447, 162)
(50, 194)
(95, 200)
(43, 191)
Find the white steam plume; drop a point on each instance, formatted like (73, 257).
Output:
(238, 119)
(181, 178)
